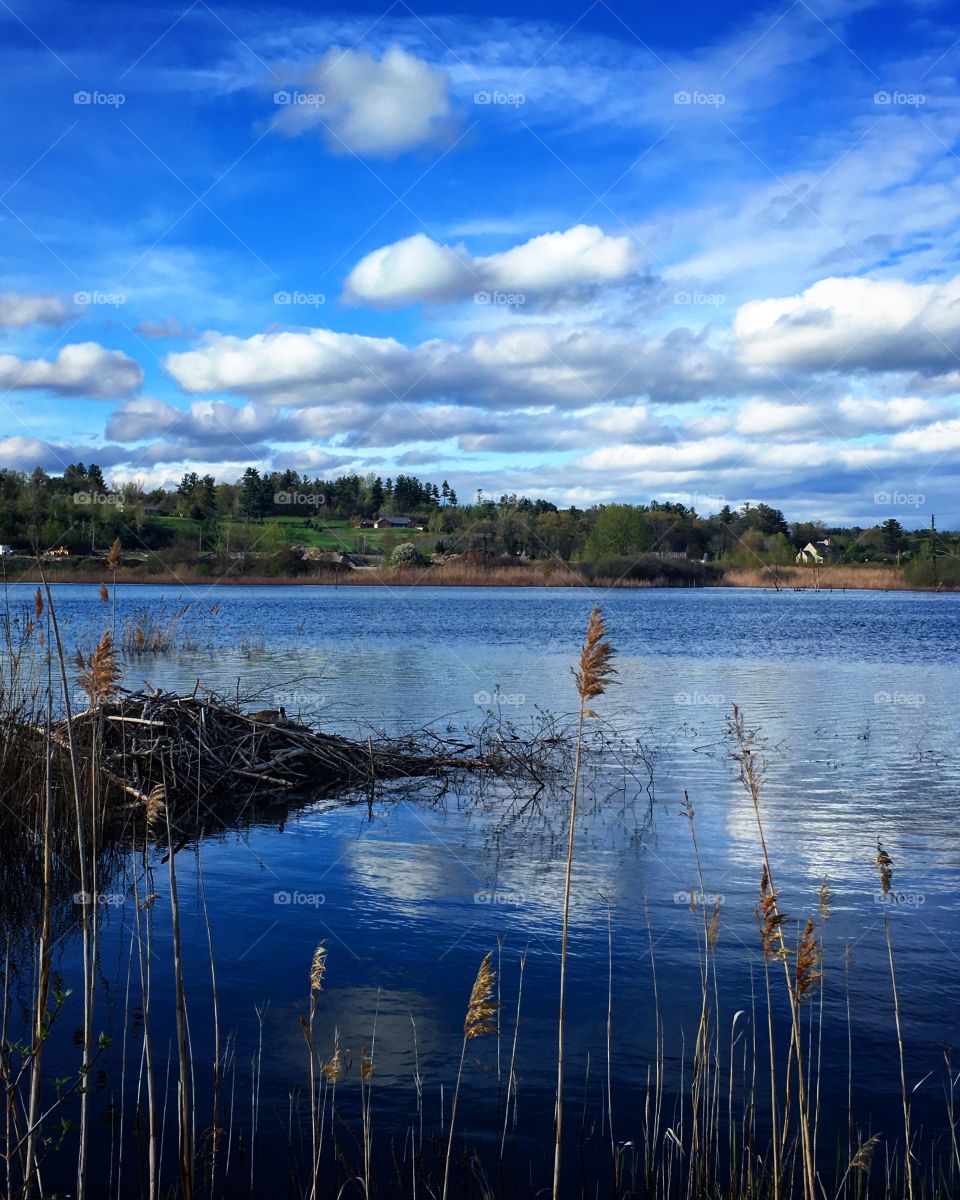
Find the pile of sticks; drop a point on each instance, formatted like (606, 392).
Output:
(163, 749)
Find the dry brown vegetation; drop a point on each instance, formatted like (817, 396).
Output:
(843, 576)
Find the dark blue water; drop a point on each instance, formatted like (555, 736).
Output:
(857, 698)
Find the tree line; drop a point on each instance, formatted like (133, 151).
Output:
(82, 512)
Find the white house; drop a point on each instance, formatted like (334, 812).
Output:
(820, 552)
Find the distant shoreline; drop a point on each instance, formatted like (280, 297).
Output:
(787, 579)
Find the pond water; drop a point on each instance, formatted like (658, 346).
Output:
(856, 697)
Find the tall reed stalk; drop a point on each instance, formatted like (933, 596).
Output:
(885, 871)
(183, 1054)
(318, 968)
(88, 908)
(44, 949)
(592, 676)
(774, 939)
(481, 1020)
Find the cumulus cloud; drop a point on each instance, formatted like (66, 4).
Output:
(764, 417)
(26, 453)
(415, 268)
(862, 414)
(369, 107)
(19, 309)
(82, 369)
(855, 323)
(528, 365)
(420, 269)
(205, 427)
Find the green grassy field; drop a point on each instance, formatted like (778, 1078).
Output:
(335, 534)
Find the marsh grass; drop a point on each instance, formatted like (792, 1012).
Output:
(166, 629)
(843, 576)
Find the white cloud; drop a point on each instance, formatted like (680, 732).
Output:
(844, 324)
(665, 457)
(863, 414)
(942, 437)
(19, 309)
(291, 364)
(768, 417)
(528, 365)
(204, 428)
(419, 269)
(85, 368)
(410, 270)
(25, 453)
(368, 107)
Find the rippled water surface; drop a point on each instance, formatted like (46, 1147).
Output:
(857, 698)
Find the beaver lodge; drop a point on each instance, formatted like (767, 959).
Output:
(159, 749)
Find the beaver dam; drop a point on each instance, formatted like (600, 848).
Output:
(190, 752)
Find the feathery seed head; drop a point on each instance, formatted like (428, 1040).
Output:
(825, 897)
(596, 660)
(156, 803)
(481, 1016)
(332, 1069)
(864, 1156)
(713, 927)
(318, 968)
(808, 961)
(101, 672)
(771, 919)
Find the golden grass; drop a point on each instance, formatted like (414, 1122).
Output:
(596, 660)
(853, 576)
(481, 1018)
(100, 673)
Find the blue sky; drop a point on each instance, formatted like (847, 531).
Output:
(706, 253)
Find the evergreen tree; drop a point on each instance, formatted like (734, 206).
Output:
(252, 498)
